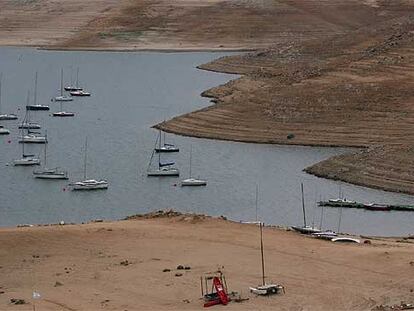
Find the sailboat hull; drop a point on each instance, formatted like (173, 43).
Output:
(37, 107)
(191, 182)
(4, 131)
(63, 99)
(63, 114)
(50, 174)
(90, 187)
(26, 162)
(167, 149)
(161, 172)
(4, 117)
(33, 140)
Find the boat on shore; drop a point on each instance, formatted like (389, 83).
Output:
(305, 229)
(368, 206)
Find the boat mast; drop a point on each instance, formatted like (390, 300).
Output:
(84, 164)
(61, 82)
(262, 254)
(303, 205)
(1, 78)
(45, 149)
(35, 90)
(191, 153)
(159, 153)
(77, 77)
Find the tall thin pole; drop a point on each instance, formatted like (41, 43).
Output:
(191, 153)
(61, 82)
(35, 90)
(159, 152)
(257, 198)
(303, 205)
(45, 148)
(320, 224)
(86, 156)
(1, 78)
(77, 77)
(262, 253)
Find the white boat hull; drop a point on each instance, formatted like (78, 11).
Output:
(63, 99)
(8, 117)
(63, 114)
(50, 174)
(4, 131)
(30, 126)
(193, 182)
(26, 162)
(90, 185)
(33, 140)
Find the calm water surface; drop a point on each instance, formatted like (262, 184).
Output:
(130, 93)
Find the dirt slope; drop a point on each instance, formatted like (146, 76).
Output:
(79, 267)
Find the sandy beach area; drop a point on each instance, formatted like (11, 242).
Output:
(119, 266)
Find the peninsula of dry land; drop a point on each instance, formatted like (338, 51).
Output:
(132, 265)
(325, 73)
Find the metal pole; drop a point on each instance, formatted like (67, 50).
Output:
(303, 206)
(261, 251)
(257, 198)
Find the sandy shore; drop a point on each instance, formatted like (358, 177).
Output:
(78, 267)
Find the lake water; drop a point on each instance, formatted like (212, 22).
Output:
(130, 93)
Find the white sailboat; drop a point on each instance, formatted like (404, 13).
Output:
(163, 169)
(63, 113)
(32, 138)
(62, 97)
(4, 131)
(89, 184)
(5, 116)
(166, 147)
(35, 105)
(26, 160)
(26, 123)
(193, 181)
(305, 229)
(50, 173)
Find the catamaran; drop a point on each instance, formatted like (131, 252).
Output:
(50, 173)
(26, 160)
(62, 97)
(193, 181)
(88, 184)
(5, 116)
(166, 147)
(163, 169)
(35, 105)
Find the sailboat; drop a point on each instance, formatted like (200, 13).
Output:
(62, 97)
(89, 184)
(35, 105)
(5, 116)
(26, 160)
(62, 113)
(76, 90)
(32, 138)
(305, 229)
(164, 169)
(26, 123)
(265, 289)
(165, 147)
(193, 181)
(50, 173)
(71, 87)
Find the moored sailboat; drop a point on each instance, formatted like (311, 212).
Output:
(62, 97)
(49, 173)
(190, 181)
(163, 169)
(165, 147)
(26, 159)
(5, 116)
(88, 184)
(35, 105)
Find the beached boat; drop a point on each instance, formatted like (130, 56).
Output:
(35, 106)
(49, 173)
(62, 97)
(190, 181)
(345, 240)
(164, 146)
(5, 116)
(88, 184)
(162, 169)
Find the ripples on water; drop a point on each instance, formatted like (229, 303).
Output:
(130, 93)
